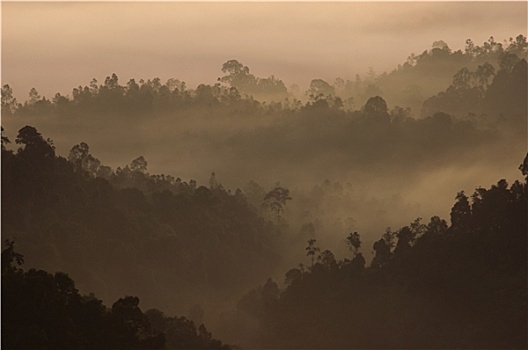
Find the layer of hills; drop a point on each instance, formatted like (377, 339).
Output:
(268, 179)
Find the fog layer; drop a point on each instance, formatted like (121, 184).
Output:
(190, 193)
(54, 46)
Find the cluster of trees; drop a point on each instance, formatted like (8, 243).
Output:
(421, 76)
(43, 310)
(486, 92)
(363, 137)
(127, 229)
(238, 77)
(431, 285)
(185, 247)
(134, 99)
(235, 92)
(488, 83)
(430, 72)
(486, 100)
(428, 285)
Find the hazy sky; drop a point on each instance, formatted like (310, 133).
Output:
(57, 46)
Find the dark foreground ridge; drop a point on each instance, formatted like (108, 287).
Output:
(41, 310)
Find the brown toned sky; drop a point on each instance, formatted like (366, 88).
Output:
(57, 46)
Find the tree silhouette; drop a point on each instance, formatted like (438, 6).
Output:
(81, 159)
(524, 166)
(353, 242)
(5, 140)
(33, 144)
(276, 199)
(10, 257)
(320, 89)
(139, 165)
(461, 213)
(312, 250)
(383, 248)
(246, 83)
(9, 102)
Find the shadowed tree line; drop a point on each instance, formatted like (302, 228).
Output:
(239, 91)
(129, 230)
(430, 285)
(232, 94)
(177, 243)
(430, 72)
(481, 99)
(482, 91)
(43, 310)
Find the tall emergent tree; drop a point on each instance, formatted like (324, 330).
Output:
(276, 199)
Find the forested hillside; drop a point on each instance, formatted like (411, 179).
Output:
(188, 198)
(127, 230)
(41, 310)
(430, 285)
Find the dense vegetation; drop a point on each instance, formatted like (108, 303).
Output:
(429, 285)
(471, 102)
(41, 310)
(348, 153)
(421, 77)
(128, 230)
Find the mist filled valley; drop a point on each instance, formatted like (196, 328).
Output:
(382, 211)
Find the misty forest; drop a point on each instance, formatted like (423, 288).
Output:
(384, 211)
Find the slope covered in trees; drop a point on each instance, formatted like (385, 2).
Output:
(430, 285)
(430, 72)
(480, 93)
(316, 141)
(41, 310)
(351, 157)
(476, 93)
(170, 241)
